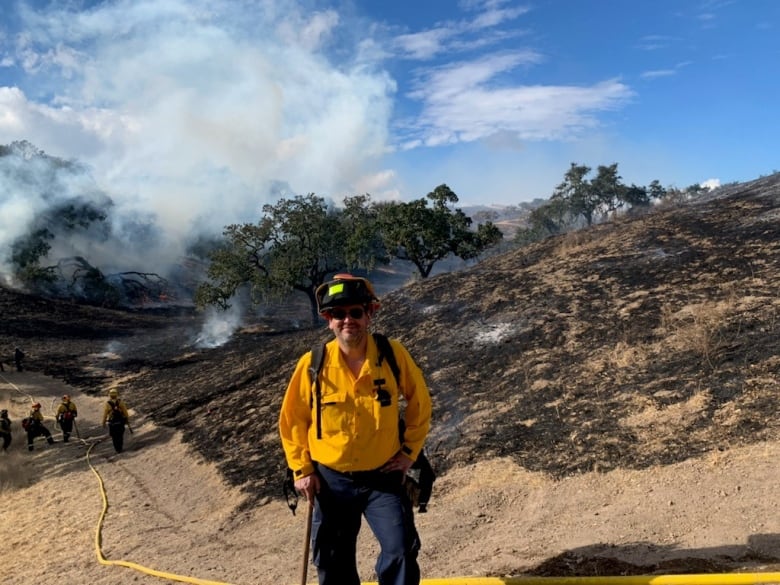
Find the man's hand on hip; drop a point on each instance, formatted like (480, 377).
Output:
(398, 462)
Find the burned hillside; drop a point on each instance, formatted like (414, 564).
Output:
(643, 341)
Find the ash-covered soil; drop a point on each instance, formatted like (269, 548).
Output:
(634, 345)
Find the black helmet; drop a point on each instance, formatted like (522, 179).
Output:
(345, 289)
(4, 413)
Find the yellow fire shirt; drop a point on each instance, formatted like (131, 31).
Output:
(359, 433)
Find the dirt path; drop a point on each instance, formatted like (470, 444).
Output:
(170, 511)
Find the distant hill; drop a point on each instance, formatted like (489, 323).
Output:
(508, 218)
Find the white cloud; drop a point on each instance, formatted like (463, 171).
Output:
(424, 45)
(655, 74)
(710, 184)
(665, 72)
(494, 16)
(63, 130)
(462, 103)
(655, 42)
(481, 30)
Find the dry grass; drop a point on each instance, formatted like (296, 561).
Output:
(698, 327)
(573, 242)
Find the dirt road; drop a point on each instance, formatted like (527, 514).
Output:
(168, 511)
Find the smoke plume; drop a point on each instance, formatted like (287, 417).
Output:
(175, 118)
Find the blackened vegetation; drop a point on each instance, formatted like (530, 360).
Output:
(74, 217)
(641, 342)
(76, 280)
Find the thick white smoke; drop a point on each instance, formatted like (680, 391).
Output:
(188, 115)
(219, 326)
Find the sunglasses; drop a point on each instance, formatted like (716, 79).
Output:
(341, 314)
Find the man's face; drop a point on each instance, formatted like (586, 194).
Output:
(349, 323)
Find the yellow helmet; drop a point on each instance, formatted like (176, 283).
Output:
(113, 393)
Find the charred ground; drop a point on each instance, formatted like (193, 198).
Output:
(639, 342)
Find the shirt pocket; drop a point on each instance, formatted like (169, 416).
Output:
(335, 412)
(386, 412)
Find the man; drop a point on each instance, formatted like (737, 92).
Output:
(341, 440)
(18, 359)
(5, 429)
(36, 428)
(66, 415)
(115, 413)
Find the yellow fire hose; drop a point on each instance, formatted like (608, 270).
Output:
(130, 565)
(698, 579)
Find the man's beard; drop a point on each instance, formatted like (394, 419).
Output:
(354, 339)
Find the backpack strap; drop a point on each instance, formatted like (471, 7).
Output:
(317, 359)
(116, 410)
(386, 353)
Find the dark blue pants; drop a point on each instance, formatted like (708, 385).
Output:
(66, 424)
(117, 432)
(338, 509)
(38, 430)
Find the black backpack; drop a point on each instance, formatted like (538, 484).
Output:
(419, 480)
(116, 417)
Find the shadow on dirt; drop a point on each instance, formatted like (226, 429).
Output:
(760, 554)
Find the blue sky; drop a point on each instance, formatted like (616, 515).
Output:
(199, 111)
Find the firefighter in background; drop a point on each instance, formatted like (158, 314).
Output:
(5, 429)
(36, 428)
(19, 359)
(116, 415)
(66, 417)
